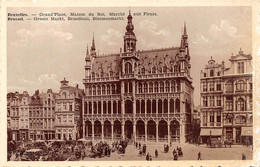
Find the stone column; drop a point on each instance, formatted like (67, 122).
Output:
(112, 131)
(145, 106)
(157, 132)
(93, 133)
(111, 107)
(116, 107)
(156, 106)
(134, 130)
(145, 131)
(182, 133)
(102, 131)
(123, 130)
(123, 107)
(102, 107)
(208, 118)
(215, 118)
(83, 130)
(169, 135)
(107, 107)
(92, 108)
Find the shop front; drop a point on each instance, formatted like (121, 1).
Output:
(210, 133)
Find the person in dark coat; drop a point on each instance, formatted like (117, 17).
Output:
(156, 153)
(147, 157)
(199, 156)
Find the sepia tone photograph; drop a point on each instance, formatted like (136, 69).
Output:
(129, 83)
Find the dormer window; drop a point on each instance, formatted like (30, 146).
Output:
(211, 73)
(153, 70)
(240, 67)
(142, 71)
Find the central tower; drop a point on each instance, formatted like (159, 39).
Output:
(129, 38)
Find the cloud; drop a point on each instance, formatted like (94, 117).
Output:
(151, 26)
(47, 78)
(64, 35)
(216, 34)
(224, 27)
(111, 37)
(25, 35)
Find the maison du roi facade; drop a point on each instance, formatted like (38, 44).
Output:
(226, 99)
(138, 95)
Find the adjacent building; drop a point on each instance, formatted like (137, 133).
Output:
(226, 99)
(140, 95)
(68, 113)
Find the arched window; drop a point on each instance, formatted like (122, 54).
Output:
(153, 70)
(156, 87)
(172, 86)
(165, 69)
(167, 86)
(140, 88)
(142, 71)
(113, 89)
(150, 87)
(110, 73)
(161, 87)
(240, 104)
(241, 85)
(108, 89)
(211, 73)
(103, 90)
(145, 88)
(94, 90)
(90, 90)
(128, 68)
(98, 90)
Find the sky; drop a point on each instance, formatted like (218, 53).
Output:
(41, 53)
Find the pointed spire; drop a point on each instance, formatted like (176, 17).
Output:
(185, 31)
(93, 48)
(87, 50)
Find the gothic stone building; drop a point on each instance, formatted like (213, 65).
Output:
(226, 98)
(138, 95)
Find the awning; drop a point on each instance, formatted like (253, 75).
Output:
(213, 132)
(247, 131)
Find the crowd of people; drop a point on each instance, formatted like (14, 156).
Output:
(58, 150)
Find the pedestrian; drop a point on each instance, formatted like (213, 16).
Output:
(243, 157)
(173, 152)
(175, 156)
(150, 158)
(156, 153)
(147, 157)
(139, 145)
(199, 156)
(136, 144)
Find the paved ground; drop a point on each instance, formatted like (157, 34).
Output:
(190, 152)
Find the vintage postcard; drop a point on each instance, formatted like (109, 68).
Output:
(160, 84)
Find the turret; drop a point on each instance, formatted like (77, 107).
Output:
(129, 38)
(93, 47)
(88, 63)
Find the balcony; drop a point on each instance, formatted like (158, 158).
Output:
(100, 79)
